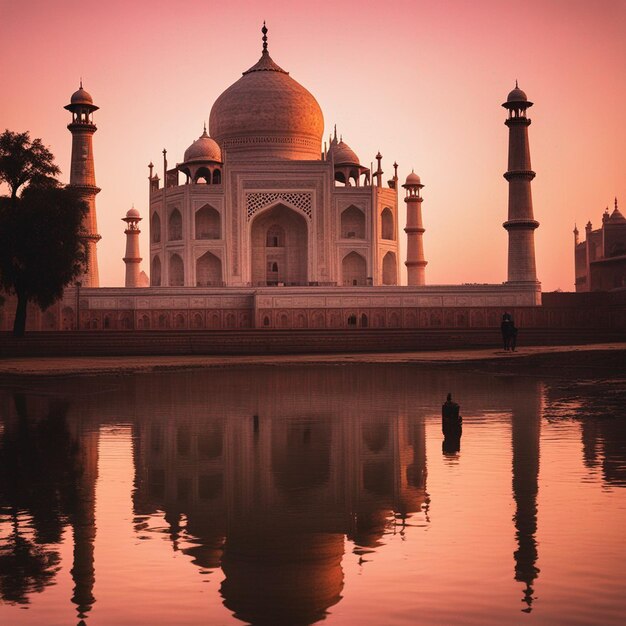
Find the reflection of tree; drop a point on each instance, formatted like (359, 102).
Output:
(40, 484)
(25, 567)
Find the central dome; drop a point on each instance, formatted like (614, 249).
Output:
(267, 114)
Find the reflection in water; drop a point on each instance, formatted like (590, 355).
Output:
(270, 492)
(276, 477)
(47, 480)
(525, 431)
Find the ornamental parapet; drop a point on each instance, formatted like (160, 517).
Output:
(92, 236)
(85, 189)
(519, 174)
(85, 127)
(518, 121)
(520, 224)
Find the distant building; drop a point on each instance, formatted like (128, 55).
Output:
(600, 260)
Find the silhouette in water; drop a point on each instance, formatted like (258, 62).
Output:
(42, 477)
(451, 425)
(509, 332)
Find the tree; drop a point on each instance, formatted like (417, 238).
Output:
(41, 245)
(23, 161)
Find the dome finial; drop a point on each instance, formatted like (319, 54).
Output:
(516, 85)
(81, 82)
(204, 133)
(616, 203)
(264, 31)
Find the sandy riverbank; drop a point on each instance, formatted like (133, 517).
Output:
(610, 358)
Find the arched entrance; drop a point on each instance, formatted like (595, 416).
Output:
(279, 248)
(354, 270)
(208, 271)
(390, 270)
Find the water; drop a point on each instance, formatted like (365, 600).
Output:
(162, 499)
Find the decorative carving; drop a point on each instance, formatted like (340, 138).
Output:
(255, 201)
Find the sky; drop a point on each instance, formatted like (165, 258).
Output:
(421, 81)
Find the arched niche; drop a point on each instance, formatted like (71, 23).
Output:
(387, 230)
(279, 236)
(208, 271)
(390, 269)
(155, 228)
(352, 223)
(202, 174)
(208, 223)
(155, 271)
(353, 270)
(175, 226)
(176, 271)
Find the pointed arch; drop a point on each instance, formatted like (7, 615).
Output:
(390, 269)
(352, 223)
(155, 228)
(279, 241)
(208, 271)
(208, 223)
(176, 271)
(387, 226)
(175, 226)
(202, 174)
(354, 270)
(155, 271)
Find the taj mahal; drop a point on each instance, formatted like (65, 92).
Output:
(265, 223)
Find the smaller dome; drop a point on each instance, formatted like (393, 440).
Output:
(413, 179)
(203, 149)
(343, 154)
(81, 97)
(133, 213)
(517, 95)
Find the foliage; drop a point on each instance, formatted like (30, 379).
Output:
(41, 248)
(23, 161)
(42, 244)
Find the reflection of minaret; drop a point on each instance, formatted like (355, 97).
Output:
(82, 173)
(525, 431)
(83, 520)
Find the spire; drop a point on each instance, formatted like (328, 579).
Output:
(616, 203)
(335, 137)
(204, 133)
(516, 85)
(264, 31)
(81, 82)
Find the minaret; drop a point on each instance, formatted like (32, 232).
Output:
(521, 223)
(82, 173)
(132, 258)
(576, 240)
(414, 230)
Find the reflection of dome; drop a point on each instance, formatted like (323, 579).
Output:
(81, 97)
(267, 113)
(203, 149)
(285, 579)
(343, 154)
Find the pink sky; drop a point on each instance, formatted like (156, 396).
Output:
(420, 81)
